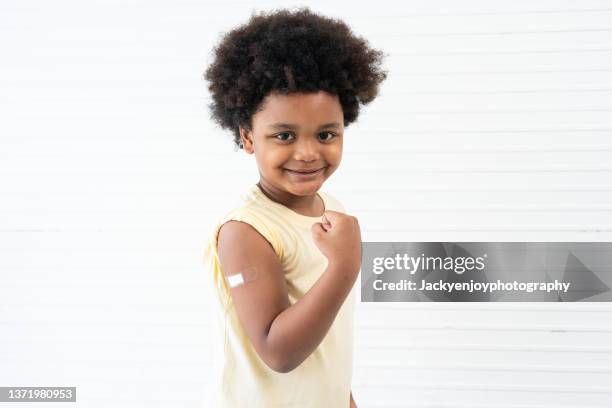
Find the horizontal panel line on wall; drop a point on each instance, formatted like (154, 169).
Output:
(445, 328)
(135, 6)
(476, 307)
(493, 229)
(104, 248)
(495, 72)
(499, 387)
(106, 305)
(497, 347)
(184, 115)
(111, 362)
(428, 190)
(128, 84)
(453, 404)
(29, 82)
(408, 170)
(135, 285)
(91, 98)
(356, 209)
(486, 33)
(481, 209)
(416, 150)
(205, 363)
(364, 348)
(490, 328)
(82, 379)
(488, 52)
(368, 191)
(107, 343)
(526, 228)
(102, 268)
(162, 22)
(474, 111)
(493, 92)
(167, 43)
(417, 132)
(481, 367)
(184, 136)
(229, 148)
(163, 34)
(106, 324)
(484, 13)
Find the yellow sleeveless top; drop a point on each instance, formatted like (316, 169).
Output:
(240, 378)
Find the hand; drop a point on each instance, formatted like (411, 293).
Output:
(338, 237)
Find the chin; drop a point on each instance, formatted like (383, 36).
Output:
(305, 189)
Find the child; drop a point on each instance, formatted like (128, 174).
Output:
(283, 263)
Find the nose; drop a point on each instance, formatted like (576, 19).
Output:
(306, 150)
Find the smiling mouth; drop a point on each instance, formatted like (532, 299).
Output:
(305, 171)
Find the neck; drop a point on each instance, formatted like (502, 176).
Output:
(310, 205)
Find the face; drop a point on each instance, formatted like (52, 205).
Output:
(293, 135)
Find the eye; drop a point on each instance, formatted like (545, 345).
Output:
(280, 134)
(332, 135)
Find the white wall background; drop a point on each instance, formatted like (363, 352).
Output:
(494, 125)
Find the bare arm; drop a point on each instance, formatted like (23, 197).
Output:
(299, 329)
(283, 335)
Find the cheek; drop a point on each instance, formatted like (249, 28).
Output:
(272, 160)
(334, 155)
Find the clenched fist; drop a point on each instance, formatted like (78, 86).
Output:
(338, 237)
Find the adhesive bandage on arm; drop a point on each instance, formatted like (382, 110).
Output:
(242, 277)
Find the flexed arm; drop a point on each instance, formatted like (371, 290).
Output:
(284, 335)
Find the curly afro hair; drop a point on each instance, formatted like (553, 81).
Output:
(289, 52)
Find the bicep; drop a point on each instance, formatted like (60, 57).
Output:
(262, 295)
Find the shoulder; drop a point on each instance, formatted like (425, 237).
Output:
(246, 226)
(240, 245)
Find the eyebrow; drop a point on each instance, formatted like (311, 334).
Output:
(292, 126)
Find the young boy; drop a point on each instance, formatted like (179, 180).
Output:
(284, 262)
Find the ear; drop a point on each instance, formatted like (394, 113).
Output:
(246, 137)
